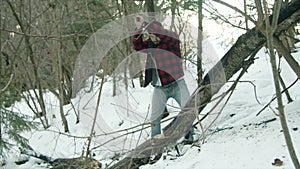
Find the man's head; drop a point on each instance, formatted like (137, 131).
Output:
(153, 27)
(157, 23)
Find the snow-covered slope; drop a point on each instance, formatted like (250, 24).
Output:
(241, 139)
(237, 139)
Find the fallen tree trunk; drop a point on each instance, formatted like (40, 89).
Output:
(61, 163)
(233, 61)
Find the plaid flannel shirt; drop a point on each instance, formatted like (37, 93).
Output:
(165, 57)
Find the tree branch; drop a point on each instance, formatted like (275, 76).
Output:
(275, 97)
(230, 64)
(8, 83)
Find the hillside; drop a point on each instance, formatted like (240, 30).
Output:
(237, 139)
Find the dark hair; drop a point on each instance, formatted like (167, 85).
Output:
(157, 23)
(154, 27)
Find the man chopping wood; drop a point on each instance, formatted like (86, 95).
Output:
(163, 69)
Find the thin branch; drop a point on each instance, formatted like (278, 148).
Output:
(45, 36)
(199, 121)
(222, 18)
(236, 9)
(276, 97)
(140, 135)
(287, 56)
(8, 83)
(288, 96)
(260, 18)
(276, 13)
(96, 113)
(254, 89)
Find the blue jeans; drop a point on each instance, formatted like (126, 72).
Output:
(177, 90)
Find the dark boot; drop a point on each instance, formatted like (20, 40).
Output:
(189, 138)
(165, 113)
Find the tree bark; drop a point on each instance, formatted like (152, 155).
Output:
(61, 93)
(199, 42)
(230, 64)
(150, 6)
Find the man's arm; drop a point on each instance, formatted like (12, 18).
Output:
(138, 43)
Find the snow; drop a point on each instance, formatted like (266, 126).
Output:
(237, 139)
(251, 143)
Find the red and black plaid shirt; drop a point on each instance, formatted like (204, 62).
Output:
(165, 56)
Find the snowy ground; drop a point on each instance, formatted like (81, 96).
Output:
(237, 140)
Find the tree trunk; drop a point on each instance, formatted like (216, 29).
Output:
(245, 10)
(1, 74)
(61, 92)
(199, 43)
(150, 6)
(269, 31)
(230, 64)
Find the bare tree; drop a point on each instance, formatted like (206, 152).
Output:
(268, 30)
(234, 60)
(199, 42)
(25, 28)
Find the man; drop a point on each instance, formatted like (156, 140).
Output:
(163, 68)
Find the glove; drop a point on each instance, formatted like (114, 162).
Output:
(139, 22)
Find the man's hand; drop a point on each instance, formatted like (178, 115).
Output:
(139, 22)
(154, 39)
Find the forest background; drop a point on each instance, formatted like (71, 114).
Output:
(41, 41)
